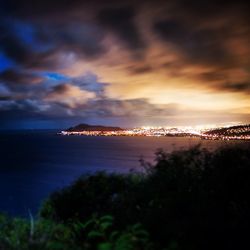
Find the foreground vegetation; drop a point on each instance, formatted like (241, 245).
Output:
(191, 199)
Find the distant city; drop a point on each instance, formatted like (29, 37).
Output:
(239, 132)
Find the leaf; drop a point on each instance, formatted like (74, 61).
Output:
(94, 234)
(107, 218)
(114, 235)
(141, 233)
(56, 246)
(137, 226)
(105, 225)
(105, 246)
(87, 223)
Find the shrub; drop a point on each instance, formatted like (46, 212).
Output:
(189, 199)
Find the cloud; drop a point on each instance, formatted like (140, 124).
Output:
(69, 95)
(236, 87)
(90, 82)
(84, 39)
(47, 44)
(11, 46)
(22, 54)
(121, 21)
(15, 77)
(141, 69)
(144, 59)
(197, 46)
(5, 94)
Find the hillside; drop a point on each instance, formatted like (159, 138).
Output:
(87, 127)
(231, 131)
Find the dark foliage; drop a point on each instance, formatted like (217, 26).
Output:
(194, 198)
(191, 199)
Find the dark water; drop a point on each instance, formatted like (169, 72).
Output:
(35, 163)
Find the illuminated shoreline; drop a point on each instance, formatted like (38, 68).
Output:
(158, 132)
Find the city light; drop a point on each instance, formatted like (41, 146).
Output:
(202, 132)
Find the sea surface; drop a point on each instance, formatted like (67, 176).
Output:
(35, 163)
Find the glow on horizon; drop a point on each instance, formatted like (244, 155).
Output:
(147, 131)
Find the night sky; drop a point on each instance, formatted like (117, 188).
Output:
(127, 63)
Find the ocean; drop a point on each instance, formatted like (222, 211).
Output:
(35, 163)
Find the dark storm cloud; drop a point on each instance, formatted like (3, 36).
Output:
(4, 97)
(130, 108)
(29, 8)
(22, 54)
(52, 41)
(212, 35)
(90, 82)
(82, 38)
(15, 77)
(236, 87)
(198, 46)
(220, 81)
(121, 21)
(29, 105)
(201, 30)
(13, 48)
(212, 76)
(140, 69)
(38, 41)
(60, 27)
(60, 89)
(207, 9)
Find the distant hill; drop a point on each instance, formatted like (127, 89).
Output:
(231, 131)
(87, 127)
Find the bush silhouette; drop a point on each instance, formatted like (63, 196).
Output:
(189, 199)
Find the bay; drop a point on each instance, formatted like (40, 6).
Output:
(35, 163)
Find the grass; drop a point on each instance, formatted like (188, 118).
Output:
(189, 199)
